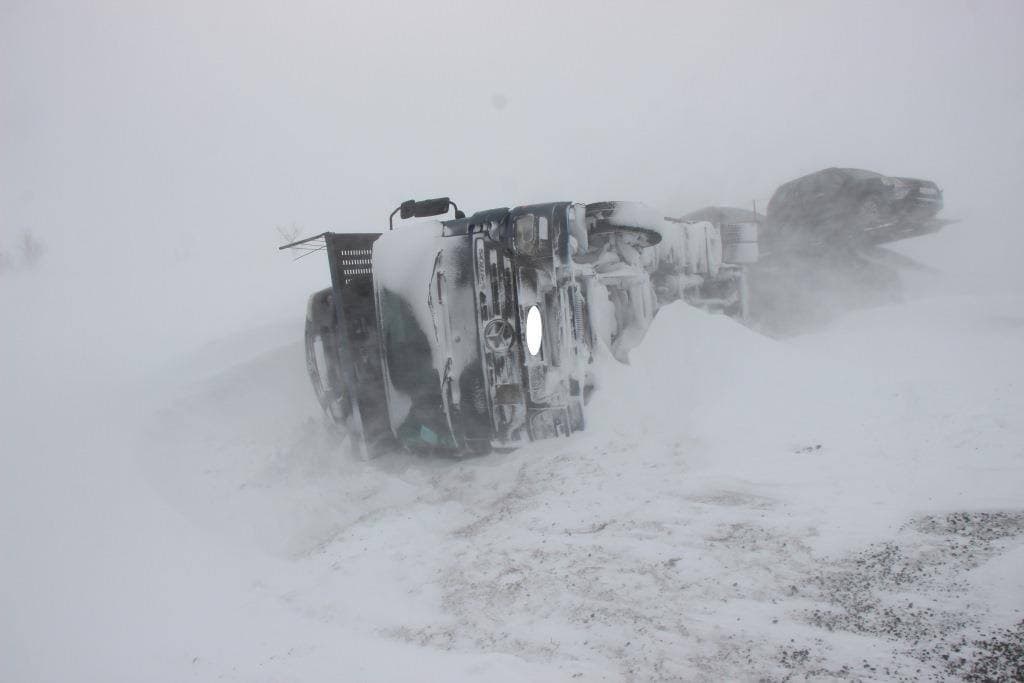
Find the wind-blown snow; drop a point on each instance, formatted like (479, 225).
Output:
(740, 507)
(842, 505)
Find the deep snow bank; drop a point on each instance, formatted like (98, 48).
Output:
(738, 507)
(713, 510)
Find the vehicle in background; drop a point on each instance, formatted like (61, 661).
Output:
(480, 333)
(836, 207)
(821, 244)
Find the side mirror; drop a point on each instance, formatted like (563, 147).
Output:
(407, 209)
(427, 207)
(421, 209)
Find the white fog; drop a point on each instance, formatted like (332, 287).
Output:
(838, 500)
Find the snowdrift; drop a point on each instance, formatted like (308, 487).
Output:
(836, 504)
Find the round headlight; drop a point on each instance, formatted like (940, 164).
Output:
(534, 330)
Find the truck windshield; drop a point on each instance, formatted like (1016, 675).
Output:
(416, 404)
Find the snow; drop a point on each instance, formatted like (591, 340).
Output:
(403, 263)
(741, 507)
(692, 247)
(639, 214)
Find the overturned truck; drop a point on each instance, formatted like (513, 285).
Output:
(479, 333)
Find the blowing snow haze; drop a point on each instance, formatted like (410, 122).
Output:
(166, 142)
(172, 504)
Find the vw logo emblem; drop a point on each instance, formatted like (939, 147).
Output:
(498, 335)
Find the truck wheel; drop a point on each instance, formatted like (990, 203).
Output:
(322, 341)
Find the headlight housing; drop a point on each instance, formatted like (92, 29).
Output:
(525, 234)
(534, 330)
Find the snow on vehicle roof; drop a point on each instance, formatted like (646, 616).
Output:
(682, 242)
(859, 173)
(639, 215)
(403, 263)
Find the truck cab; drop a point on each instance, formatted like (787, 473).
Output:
(463, 335)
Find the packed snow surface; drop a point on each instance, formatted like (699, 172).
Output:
(845, 504)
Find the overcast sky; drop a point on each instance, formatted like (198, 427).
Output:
(154, 146)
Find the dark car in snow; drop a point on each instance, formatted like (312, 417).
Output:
(838, 206)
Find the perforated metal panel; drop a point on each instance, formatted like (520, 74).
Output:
(349, 255)
(355, 263)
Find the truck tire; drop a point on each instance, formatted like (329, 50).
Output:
(322, 339)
